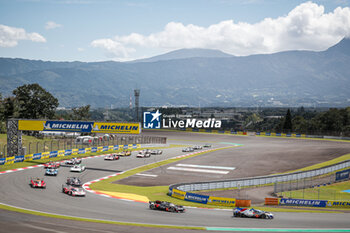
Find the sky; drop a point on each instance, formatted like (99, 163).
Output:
(124, 30)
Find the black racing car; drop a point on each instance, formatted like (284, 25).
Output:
(166, 206)
(75, 181)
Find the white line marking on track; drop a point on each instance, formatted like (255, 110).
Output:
(198, 170)
(206, 166)
(151, 175)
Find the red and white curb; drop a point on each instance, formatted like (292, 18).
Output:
(21, 169)
(86, 185)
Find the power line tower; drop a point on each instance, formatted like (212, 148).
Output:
(137, 107)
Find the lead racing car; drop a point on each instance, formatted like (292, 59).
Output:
(166, 206)
(251, 213)
(37, 183)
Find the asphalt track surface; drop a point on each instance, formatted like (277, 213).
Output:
(15, 190)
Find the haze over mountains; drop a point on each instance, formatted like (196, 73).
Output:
(193, 77)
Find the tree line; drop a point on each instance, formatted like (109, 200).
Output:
(31, 101)
(333, 121)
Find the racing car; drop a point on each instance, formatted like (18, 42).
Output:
(207, 145)
(143, 154)
(111, 157)
(124, 153)
(156, 152)
(166, 206)
(73, 191)
(78, 168)
(73, 161)
(52, 164)
(74, 181)
(251, 213)
(188, 149)
(51, 172)
(197, 147)
(37, 183)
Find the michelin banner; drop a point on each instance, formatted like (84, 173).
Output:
(19, 159)
(28, 157)
(338, 204)
(178, 194)
(79, 126)
(10, 160)
(2, 161)
(194, 197)
(221, 201)
(302, 202)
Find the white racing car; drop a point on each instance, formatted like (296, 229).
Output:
(77, 168)
(187, 149)
(144, 154)
(156, 152)
(251, 213)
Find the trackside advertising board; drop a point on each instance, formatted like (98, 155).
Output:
(314, 203)
(302, 202)
(60, 153)
(203, 199)
(79, 126)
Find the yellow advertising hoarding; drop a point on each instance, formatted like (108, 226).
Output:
(79, 126)
(222, 201)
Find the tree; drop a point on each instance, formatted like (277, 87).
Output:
(82, 113)
(287, 126)
(34, 102)
(9, 108)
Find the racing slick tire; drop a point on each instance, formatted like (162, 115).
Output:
(152, 207)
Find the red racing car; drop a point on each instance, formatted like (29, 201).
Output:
(73, 191)
(52, 164)
(37, 183)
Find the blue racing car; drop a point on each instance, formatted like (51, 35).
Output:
(51, 172)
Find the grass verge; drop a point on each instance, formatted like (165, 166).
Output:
(329, 192)
(26, 211)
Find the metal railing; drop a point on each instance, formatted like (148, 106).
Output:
(261, 180)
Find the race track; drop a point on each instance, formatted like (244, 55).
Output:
(15, 189)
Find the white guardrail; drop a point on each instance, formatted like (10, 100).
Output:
(261, 180)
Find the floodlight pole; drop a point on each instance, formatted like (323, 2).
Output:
(14, 138)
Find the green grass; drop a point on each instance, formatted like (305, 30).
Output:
(25, 211)
(153, 192)
(329, 192)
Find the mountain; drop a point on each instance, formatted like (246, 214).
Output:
(186, 53)
(292, 78)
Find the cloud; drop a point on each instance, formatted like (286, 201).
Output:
(52, 25)
(306, 27)
(9, 36)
